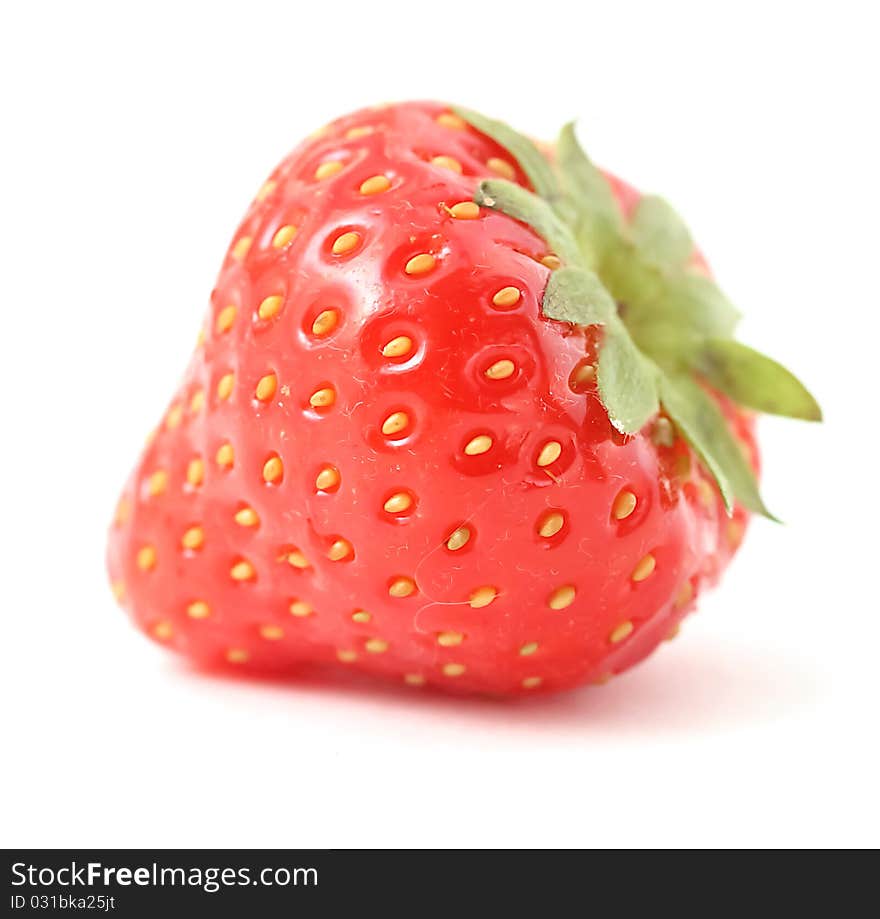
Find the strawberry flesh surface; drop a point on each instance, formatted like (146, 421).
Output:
(254, 531)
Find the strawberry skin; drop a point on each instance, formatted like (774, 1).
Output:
(383, 456)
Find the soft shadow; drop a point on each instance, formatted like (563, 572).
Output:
(700, 687)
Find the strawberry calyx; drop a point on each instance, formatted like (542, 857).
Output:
(667, 326)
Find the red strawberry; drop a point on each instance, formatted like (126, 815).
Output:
(386, 454)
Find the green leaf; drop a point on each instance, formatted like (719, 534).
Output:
(532, 162)
(577, 295)
(705, 428)
(659, 234)
(521, 204)
(660, 307)
(664, 324)
(755, 380)
(597, 219)
(699, 302)
(627, 380)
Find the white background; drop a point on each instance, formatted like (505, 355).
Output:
(134, 136)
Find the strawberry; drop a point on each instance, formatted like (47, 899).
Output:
(460, 416)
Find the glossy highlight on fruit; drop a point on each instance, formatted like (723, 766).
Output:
(384, 456)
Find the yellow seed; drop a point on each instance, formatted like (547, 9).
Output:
(375, 645)
(465, 210)
(325, 322)
(672, 633)
(663, 433)
(414, 679)
(624, 505)
(193, 538)
(300, 609)
(346, 242)
(266, 387)
(195, 471)
(735, 532)
(531, 682)
(146, 558)
(123, 511)
(326, 170)
(706, 494)
(395, 423)
(449, 120)
(266, 189)
(602, 680)
(507, 296)
(157, 483)
(375, 185)
(118, 589)
(273, 469)
(242, 571)
(644, 568)
(482, 443)
(450, 639)
(163, 630)
(361, 615)
(550, 452)
(225, 318)
(551, 524)
(562, 597)
(283, 235)
(271, 632)
(402, 587)
(582, 376)
(270, 306)
(528, 648)
(346, 656)
(624, 630)
(339, 549)
(447, 162)
(296, 559)
(197, 401)
(501, 370)
(327, 479)
(482, 596)
(247, 517)
(198, 609)
(454, 669)
(501, 167)
(323, 398)
(398, 503)
(551, 261)
(398, 346)
(174, 417)
(359, 131)
(225, 385)
(225, 456)
(684, 595)
(458, 539)
(242, 247)
(683, 466)
(237, 656)
(420, 264)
